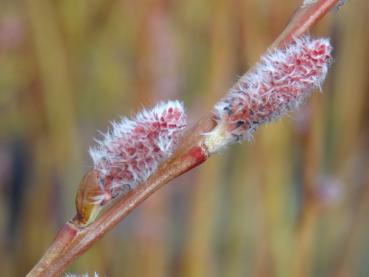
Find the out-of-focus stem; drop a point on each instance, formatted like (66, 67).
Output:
(189, 155)
(309, 212)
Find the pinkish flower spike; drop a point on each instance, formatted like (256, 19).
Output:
(134, 148)
(309, 2)
(80, 275)
(277, 84)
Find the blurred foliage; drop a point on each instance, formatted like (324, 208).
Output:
(294, 202)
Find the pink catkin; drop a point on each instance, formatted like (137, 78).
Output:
(277, 84)
(134, 148)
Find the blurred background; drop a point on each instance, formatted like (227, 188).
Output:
(295, 202)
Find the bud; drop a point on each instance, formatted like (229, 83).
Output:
(277, 84)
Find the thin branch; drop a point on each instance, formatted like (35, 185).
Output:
(73, 239)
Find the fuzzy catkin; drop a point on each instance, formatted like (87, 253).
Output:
(280, 82)
(80, 275)
(134, 148)
(309, 2)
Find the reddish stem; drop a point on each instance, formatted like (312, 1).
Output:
(73, 241)
(68, 246)
(303, 19)
(63, 240)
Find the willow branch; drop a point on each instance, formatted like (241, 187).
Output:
(74, 239)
